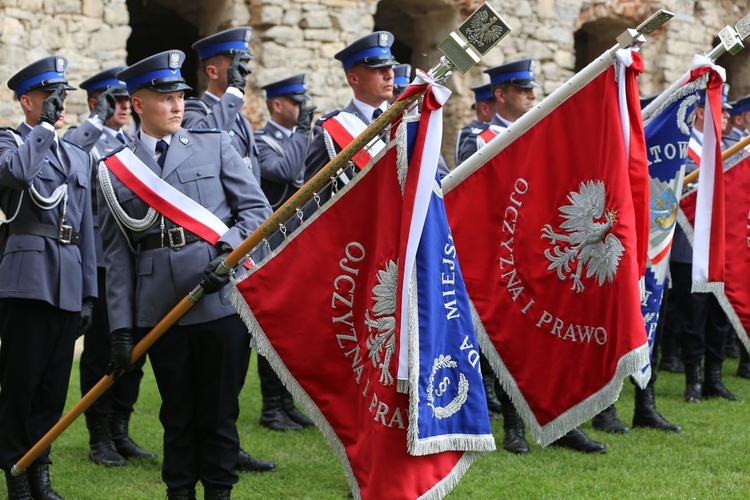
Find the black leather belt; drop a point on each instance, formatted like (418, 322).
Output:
(62, 234)
(176, 237)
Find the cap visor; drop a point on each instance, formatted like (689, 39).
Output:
(300, 98)
(525, 84)
(168, 87)
(380, 63)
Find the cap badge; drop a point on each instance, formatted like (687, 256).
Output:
(183, 139)
(174, 60)
(59, 64)
(532, 63)
(246, 36)
(383, 39)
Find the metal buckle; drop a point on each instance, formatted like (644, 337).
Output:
(65, 235)
(176, 237)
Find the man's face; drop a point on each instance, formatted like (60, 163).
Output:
(288, 112)
(122, 113)
(32, 103)
(372, 86)
(514, 102)
(160, 112)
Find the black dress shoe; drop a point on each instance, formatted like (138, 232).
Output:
(217, 493)
(576, 440)
(608, 421)
(18, 487)
(181, 493)
(41, 487)
(246, 463)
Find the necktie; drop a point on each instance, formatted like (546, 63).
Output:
(376, 113)
(120, 137)
(161, 148)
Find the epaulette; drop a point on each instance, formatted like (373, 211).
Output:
(73, 144)
(114, 151)
(204, 130)
(11, 130)
(479, 128)
(325, 117)
(259, 132)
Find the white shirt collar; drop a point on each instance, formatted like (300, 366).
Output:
(366, 109)
(283, 129)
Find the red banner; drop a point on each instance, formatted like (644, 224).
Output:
(548, 237)
(736, 297)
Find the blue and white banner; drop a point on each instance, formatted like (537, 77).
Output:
(448, 407)
(667, 139)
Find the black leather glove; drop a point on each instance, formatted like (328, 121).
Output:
(120, 349)
(87, 315)
(212, 281)
(105, 105)
(304, 121)
(237, 73)
(53, 106)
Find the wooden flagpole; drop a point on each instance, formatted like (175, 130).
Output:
(728, 153)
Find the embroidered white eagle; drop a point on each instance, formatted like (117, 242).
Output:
(382, 324)
(587, 241)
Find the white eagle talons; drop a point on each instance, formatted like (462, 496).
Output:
(383, 321)
(589, 243)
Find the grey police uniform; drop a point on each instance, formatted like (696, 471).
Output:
(224, 114)
(47, 268)
(197, 361)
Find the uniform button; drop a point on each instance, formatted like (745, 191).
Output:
(199, 173)
(231, 105)
(38, 139)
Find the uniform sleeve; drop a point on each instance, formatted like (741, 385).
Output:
(248, 203)
(286, 168)
(85, 136)
(119, 263)
(88, 247)
(222, 116)
(19, 165)
(467, 148)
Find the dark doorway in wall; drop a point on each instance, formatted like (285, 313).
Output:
(157, 28)
(738, 71)
(594, 37)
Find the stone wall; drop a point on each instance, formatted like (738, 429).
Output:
(294, 36)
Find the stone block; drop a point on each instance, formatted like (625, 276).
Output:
(272, 14)
(110, 39)
(92, 8)
(315, 19)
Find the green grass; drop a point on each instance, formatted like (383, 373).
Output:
(708, 460)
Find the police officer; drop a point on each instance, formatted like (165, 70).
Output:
(108, 417)
(152, 263)
(701, 324)
(368, 64)
(401, 79)
(47, 270)
(223, 58)
(513, 87)
(282, 144)
(484, 109)
(739, 120)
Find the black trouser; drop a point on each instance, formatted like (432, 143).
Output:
(704, 324)
(121, 397)
(36, 355)
(198, 370)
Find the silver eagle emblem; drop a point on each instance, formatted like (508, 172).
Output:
(483, 29)
(587, 241)
(381, 323)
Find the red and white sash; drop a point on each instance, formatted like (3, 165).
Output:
(694, 150)
(343, 128)
(154, 191)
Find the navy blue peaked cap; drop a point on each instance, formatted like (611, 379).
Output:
(645, 101)
(724, 97)
(47, 74)
(292, 87)
(226, 43)
(401, 75)
(482, 92)
(160, 73)
(104, 79)
(373, 51)
(518, 73)
(740, 105)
